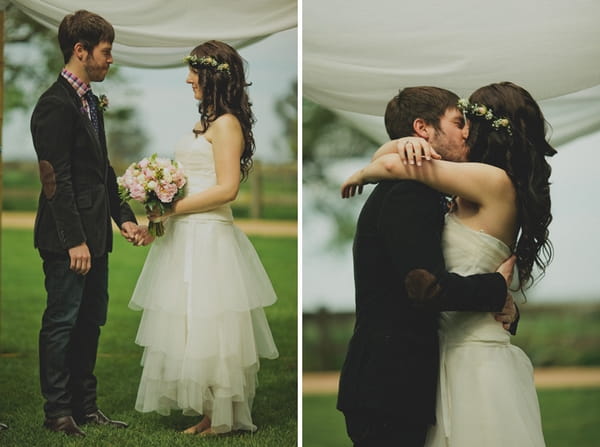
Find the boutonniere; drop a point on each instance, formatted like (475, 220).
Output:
(103, 102)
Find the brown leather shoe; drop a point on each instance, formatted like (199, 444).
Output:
(65, 424)
(99, 418)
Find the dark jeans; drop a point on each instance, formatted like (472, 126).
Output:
(76, 308)
(368, 428)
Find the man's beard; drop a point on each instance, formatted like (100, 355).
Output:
(95, 71)
(448, 151)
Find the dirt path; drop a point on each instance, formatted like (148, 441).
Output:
(257, 227)
(561, 377)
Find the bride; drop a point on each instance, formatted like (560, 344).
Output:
(203, 287)
(486, 394)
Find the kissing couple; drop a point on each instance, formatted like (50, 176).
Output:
(430, 362)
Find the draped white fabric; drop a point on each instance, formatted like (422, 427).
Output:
(570, 116)
(356, 54)
(155, 33)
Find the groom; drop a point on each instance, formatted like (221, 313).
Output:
(73, 231)
(387, 388)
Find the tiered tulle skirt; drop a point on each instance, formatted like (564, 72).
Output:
(202, 291)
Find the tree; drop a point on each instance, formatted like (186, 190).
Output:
(326, 140)
(287, 109)
(33, 60)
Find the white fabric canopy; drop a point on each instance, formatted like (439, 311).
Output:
(570, 116)
(357, 55)
(157, 33)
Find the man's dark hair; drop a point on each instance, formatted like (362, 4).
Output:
(427, 103)
(85, 27)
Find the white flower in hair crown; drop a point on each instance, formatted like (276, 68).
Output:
(207, 61)
(482, 111)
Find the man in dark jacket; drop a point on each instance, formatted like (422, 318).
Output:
(387, 388)
(73, 230)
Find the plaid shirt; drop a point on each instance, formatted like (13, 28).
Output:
(80, 87)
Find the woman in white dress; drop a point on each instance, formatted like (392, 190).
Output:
(486, 394)
(203, 288)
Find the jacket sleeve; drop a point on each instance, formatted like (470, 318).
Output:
(411, 223)
(120, 211)
(53, 134)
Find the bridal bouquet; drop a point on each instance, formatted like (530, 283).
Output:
(154, 182)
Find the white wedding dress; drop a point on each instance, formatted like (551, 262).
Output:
(202, 291)
(486, 394)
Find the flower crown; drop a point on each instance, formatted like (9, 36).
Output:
(480, 110)
(207, 61)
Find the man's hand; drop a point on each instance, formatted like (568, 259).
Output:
(143, 236)
(129, 230)
(508, 314)
(81, 259)
(506, 269)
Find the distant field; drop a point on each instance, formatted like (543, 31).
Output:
(551, 335)
(275, 185)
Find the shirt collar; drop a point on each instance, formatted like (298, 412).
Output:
(80, 87)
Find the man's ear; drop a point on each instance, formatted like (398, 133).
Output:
(79, 51)
(420, 128)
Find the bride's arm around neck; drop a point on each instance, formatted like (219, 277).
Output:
(479, 183)
(225, 135)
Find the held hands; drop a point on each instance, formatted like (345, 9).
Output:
(138, 235)
(143, 237)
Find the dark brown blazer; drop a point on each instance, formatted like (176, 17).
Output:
(393, 357)
(79, 189)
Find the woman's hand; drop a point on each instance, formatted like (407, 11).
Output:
(353, 185)
(142, 236)
(412, 150)
(156, 215)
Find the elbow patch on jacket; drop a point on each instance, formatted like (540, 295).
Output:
(422, 287)
(48, 179)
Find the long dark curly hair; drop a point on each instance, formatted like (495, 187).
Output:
(522, 154)
(224, 91)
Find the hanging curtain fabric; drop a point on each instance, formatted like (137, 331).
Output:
(357, 55)
(155, 33)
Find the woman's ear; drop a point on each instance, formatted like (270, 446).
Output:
(420, 128)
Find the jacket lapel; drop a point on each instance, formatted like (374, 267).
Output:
(97, 145)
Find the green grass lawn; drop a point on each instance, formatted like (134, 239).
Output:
(569, 419)
(118, 370)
